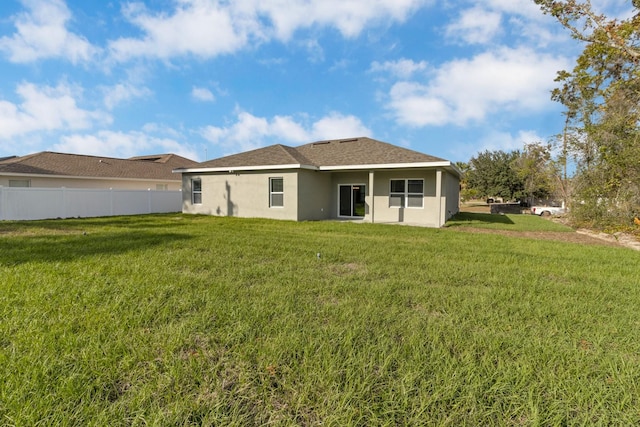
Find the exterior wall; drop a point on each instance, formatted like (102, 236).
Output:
(39, 181)
(242, 194)
(314, 195)
(452, 194)
(428, 215)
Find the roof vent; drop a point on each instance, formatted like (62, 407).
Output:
(348, 140)
(322, 143)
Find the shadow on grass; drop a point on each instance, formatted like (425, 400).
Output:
(470, 218)
(70, 247)
(86, 224)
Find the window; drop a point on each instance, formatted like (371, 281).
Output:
(276, 192)
(406, 193)
(196, 191)
(19, 183)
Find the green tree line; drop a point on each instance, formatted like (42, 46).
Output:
(601, 137)
(525, 175)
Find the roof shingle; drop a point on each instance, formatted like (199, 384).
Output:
(344, 152)
(77, 165)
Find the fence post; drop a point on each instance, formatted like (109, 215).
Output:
(111, 201)
(3, 202)
(148, 200)
(65, 209)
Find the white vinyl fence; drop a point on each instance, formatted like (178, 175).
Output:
(43, 203)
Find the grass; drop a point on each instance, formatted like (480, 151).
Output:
(191, 320)
(506, 222)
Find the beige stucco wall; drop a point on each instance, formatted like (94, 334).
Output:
(427, 215)
(314, 195)
(452, 194)
(120, 184)
(242, 194)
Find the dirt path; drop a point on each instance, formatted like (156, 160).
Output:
(581, 237)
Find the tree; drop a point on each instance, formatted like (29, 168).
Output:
(601, 95)
(466, 193)
(539, 173)
(597, 29)
(493, 174)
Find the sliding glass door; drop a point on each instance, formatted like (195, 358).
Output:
(351, 200)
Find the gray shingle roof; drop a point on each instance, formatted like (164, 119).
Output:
(268, 156)
(361, 151)
(77, 165)
(344, 152)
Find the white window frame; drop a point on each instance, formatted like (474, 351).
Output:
(406, 194)
(276, 193)
(195, 192)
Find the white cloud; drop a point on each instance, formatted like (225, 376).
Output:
(505, 21)
(250, 132)
(494, 141)
(514, 80)
(122, 144)
(197, 27)
(350, 17)
(42, 33)
(475, 26)
(414, 105)
(524, 8)
(202, 94)
(122, 92)
(209, 28)
(402, 68)
(506, 141)
(336, 125)
(45, 109)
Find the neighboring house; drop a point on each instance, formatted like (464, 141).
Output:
(54, 170)
(358, 178)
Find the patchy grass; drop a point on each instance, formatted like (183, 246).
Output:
(191, 320)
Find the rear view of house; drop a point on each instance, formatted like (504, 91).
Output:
(359, 178)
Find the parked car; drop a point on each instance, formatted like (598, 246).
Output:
(547, 210)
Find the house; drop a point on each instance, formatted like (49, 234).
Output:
(358, 178)
(55, 170)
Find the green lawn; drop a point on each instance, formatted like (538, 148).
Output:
(506, 222)
(193, 320)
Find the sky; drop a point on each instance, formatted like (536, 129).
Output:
(209, 78)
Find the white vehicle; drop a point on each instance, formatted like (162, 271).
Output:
(547, 210)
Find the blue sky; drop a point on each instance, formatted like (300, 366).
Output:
(207, 78)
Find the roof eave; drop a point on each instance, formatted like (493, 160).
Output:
(437, 164)
(233, 169)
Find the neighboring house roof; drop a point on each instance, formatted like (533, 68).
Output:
(353, 153)
(158, 167)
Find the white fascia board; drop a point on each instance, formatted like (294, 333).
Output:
(443, 164)
(233, 169)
